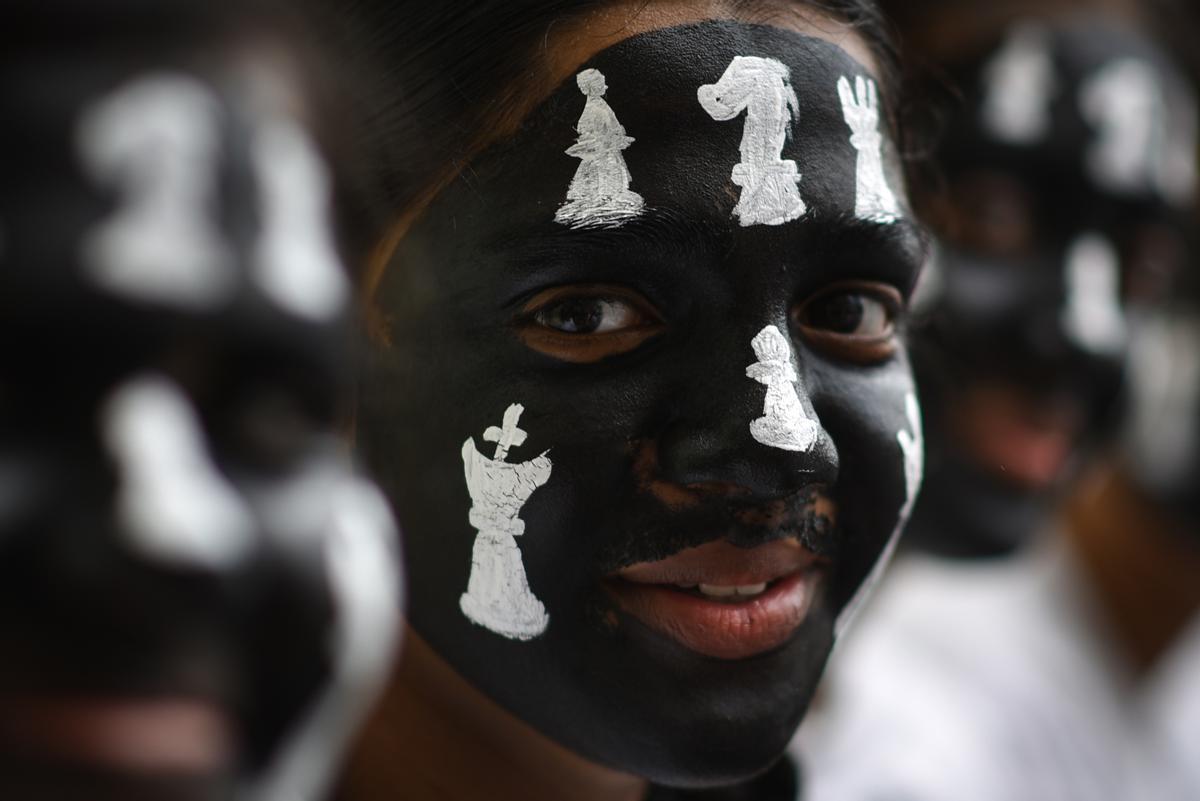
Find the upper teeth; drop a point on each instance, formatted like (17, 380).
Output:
(719, 591)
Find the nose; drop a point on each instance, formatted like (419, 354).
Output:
(748, 429)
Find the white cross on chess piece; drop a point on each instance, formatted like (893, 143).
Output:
(510, 435)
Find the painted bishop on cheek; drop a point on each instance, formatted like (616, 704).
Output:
(682, 278)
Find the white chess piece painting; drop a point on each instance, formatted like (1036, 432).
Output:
(1124, 102)
(873, 198)
(156, 142)
(784, 424)
(912, 450)
(770, 184)
(1093, 317)
(599, 195)
(498, 596)
(1020, 83)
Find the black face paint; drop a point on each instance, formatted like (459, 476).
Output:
(1064, 214)
(181, 536)
(646, 422)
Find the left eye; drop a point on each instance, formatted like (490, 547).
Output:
(589, 316)
(854, 322)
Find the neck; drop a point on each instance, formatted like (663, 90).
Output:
(1141, 566)
(434, 736)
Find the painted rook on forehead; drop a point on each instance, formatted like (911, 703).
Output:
(599, 195)
(1020, 82)
(498, 596)
(784, 424)
(762, 88)
(873, 199)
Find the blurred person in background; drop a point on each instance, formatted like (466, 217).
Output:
(197, 592)
(1069, 670)
(1066, 166)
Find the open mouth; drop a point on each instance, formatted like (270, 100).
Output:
(721, 600)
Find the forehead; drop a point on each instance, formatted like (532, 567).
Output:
(681, 158)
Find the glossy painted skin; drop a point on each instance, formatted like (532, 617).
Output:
(998, 328)
(127, 672)
(646, 420)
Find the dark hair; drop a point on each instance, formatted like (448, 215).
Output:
(428, 78)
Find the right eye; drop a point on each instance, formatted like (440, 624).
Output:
(586, 323)
(588, 315)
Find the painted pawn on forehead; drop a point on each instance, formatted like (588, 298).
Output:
(636, 389)
(1068, 169)
(197, 592)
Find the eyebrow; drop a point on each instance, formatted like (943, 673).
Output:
(895, 251)
(656, 228)
(905, 243)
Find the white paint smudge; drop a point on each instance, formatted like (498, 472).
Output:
(1093, 316)
(873, 199)
(770, 184)
(1124, 102)
(296, 262)
(912, 448)
(784, 424)
(1177, 167)
(498, 596)
(157, 141)
(361, 571)
(599, 195)
(173, 504)
(1020, 84)
(1164, 381)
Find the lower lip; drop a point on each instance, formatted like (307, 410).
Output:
(718, 629)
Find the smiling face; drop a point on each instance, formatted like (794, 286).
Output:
(644, 409)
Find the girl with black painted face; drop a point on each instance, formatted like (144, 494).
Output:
(636, 386)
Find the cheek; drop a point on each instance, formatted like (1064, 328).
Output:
(422, 399)
(868, 414)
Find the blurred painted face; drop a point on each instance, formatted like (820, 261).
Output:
(194, 586)
(1163, 433)
(1067, 169)
(644, 407)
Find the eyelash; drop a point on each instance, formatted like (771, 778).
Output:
(535, 330)
(855, 348)
(879, 304)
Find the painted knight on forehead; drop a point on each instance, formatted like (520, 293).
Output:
(732, 125)
(1078, 105)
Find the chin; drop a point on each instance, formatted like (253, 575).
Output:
(680, 719)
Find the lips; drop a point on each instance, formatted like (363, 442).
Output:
(721, 600)
(137, 736)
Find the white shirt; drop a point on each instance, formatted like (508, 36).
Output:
(999, 682)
